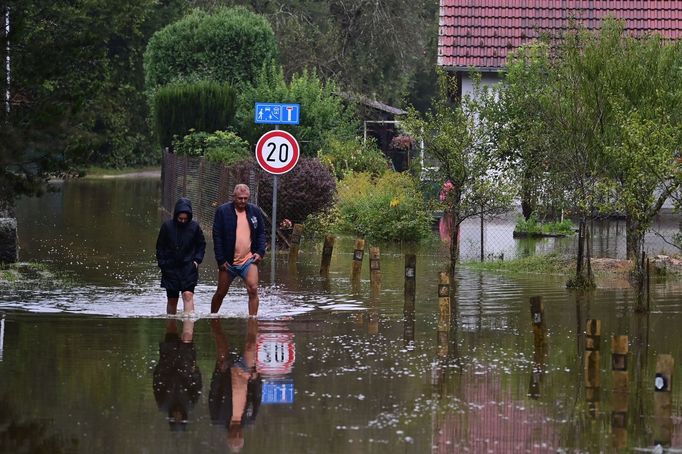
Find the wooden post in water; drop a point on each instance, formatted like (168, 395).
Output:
(537, 314)
(375, 270)
(444, 312)
(663, 386)
(295, 242)
(327, 250)
(410, 282)
(619, 369)
(592, 361)
(358, 255)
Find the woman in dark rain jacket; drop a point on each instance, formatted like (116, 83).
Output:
(180, 249)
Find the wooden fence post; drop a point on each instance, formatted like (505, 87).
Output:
(295, 242)
(619, 369)
(444, 312)
(663, 385)
(410, 281)
(592, 362)
(327, 250)
(358, 255)
(375, 270)
(537, 314)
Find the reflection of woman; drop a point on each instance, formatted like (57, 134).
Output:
(177, 378)
(236, 386)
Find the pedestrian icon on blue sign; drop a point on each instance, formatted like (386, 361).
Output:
(277, 114)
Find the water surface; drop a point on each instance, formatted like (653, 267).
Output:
(89, 362)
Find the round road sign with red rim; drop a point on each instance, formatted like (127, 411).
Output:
(277, 152)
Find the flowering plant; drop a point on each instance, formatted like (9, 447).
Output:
(285, 224)
(402, 142)
(447, 187)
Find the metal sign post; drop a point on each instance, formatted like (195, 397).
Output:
(277, 152)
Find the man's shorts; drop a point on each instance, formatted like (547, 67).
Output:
(176, 293)
(239, 270)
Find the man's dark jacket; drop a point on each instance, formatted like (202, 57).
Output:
(225, 231)
(177, 247)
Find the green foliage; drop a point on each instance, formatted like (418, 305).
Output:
(475, 182)
(200, 106)
(533, 226)
(219, 146)
(77, 87)
(307, 189)
(228, 45)
(389, 208)
(382, 48)
(323, 114)
(346, 156)
(542, 264)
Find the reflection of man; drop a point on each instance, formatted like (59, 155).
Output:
(177, 378)
(236, 386)
(239, 245)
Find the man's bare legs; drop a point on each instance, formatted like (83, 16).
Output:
(251, 283)
(224, 281)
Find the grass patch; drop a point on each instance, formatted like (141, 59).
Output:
(546, 264)
(99, 172)
(532, 226)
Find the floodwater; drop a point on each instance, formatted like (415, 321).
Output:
(90, 363)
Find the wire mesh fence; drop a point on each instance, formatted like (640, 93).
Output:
(208, 184)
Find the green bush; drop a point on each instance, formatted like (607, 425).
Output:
(220, 146)
(307, 189)
(228, 45)
(323, 114)
(202, 106)
(534, 227)
(388, 208)
(346, 156)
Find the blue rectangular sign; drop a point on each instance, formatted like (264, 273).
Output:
(277, 114)
(278, 391)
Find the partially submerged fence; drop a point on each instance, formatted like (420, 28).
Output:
(207, 184)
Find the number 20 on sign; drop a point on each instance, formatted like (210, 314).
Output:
(277, 152)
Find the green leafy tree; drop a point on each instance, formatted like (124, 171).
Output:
(323, 114)
(384, 49)
(76, 87)
(474, 182)
(201, 106)
(227, 45)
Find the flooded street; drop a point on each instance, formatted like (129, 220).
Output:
(90, 363)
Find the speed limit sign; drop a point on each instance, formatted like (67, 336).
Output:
(277, 152)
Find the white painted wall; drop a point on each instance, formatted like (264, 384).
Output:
(488, 79)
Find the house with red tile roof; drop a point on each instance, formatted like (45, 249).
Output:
(480, 33)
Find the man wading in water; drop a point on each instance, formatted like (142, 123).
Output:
(239, 245)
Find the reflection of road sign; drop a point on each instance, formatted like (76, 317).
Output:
(278, 391)
(277, 114)
(276, 354)
(277, 152)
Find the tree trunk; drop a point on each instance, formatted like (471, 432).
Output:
(8, 230)
(527, 201)
(634, 243)
(454, 244)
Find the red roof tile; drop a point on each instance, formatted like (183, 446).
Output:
(480, 33)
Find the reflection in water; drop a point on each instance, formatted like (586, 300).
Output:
(236, 386)
(21, 435)
(177, 378)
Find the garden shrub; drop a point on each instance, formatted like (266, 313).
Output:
(533, 226)
(323, 113)
(388, 208)
(220, 146)
(227, 45)
(202, 106)
(308, 188)
(345, 156)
